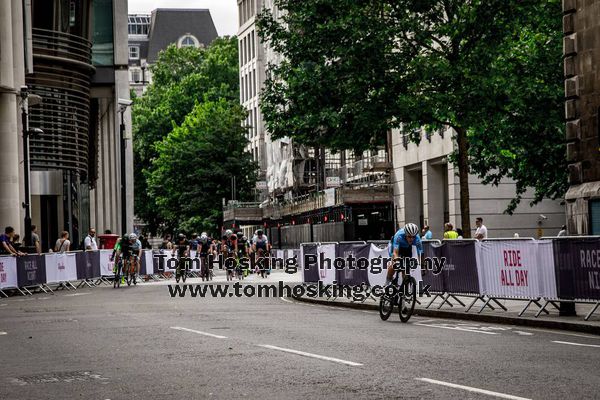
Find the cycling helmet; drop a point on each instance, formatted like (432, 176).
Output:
(411, 229)
(204, 234)
(259, 232)
(228, 232)
(239, 235)
(181, 236)
(132, 236)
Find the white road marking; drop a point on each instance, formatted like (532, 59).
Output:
(561, 333)
(576, 344)
(179, 328)
(76, 294)
(472, 389)
(523, 333)
(302, 353)
(3, 305)
(456, 328)
(286, 300)
(2, 333)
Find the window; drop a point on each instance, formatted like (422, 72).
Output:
(134, 52)
(594, 217)
(135, 75)
(253, 54)
(188, 41)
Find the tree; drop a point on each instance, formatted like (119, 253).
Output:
(195, 164)
(182, 78)
(487, 69)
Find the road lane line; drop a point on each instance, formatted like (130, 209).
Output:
(456, 328)
(286, 300)
(576, 344)
(179, 328)
(560, 333)
(2, 333)
(76, 294)
(472, 389)
(317, 356)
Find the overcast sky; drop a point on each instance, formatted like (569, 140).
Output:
(224, 12)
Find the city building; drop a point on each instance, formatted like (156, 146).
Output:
(150, 34)
(581, 50)
(63, 70)
(427, 192)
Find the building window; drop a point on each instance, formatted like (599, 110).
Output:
(138, 24)
(134, 52)
(188, 41)
(135, 75)
(594, 217)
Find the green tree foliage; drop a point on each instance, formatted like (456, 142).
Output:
(195, 163)
(182, 78)
(488, 69)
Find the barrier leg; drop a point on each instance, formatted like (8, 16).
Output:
(3, 294)
(499, 304)
(593, 310)
(48, 287)
(487, 304)
(445, 300)
(434, 299)
(42, 288)
(84, 282)
(534, 301)
(458, 300)
(473, 303)
(542, 309)
(70, 284)
(27, 291)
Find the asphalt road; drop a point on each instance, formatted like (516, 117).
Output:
(139, 343)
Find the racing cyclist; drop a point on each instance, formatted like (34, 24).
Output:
(135, 246)
(401, 247)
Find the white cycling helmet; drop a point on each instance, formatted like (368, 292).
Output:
(132, 236)
(229, 232)
(411, 229)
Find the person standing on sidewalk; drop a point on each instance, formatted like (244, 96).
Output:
(426, 233)
(449, 232)
(481, 232)
(89, 242)
(35, 239)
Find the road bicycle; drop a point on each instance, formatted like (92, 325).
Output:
(404, 296)
(182, 273)
(131, 270)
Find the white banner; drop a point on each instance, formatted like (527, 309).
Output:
(149, 262)
(106, 266)
(376, 278)
(61, 267)
(8, 272)
(545, 259)
(509, 269)
(326, 269)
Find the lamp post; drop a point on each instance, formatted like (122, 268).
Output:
(27, 99)
(123, 104)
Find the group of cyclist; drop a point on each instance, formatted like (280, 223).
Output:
(127, 255)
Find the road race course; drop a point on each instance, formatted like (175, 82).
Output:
(139, 343)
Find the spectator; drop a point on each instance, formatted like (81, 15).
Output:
(460, 233)
(16, 242)
(481, 232)
(426, 233)
(108, 232)
(563, 231)
(145, 243)
(35, 239)
(6, 239)
(63, 244)
(449, 232)
(89, 243)
(166, 244)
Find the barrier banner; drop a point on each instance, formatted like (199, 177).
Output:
(8, 272)
(147, 267)
(509, 269)
(60, 267)
(158, 263)
(326, 254)
(106, 266)
(351, 275)
(31, 270)
(545, 256)
(460, 270)
(377, 265)
(88, 264)
(577, 268)
(437, 282)
(311, 271)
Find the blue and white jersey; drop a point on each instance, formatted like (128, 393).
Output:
(399, 242)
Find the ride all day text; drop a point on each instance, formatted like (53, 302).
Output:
(510, 276)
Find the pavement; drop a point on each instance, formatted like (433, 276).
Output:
(141, 343)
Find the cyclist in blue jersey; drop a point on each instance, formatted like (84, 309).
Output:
(401, 247)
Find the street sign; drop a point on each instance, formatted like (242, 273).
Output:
(332, 181)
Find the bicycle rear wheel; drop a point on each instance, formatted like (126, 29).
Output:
(408, 298)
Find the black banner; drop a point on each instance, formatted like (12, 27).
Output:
(312, 273)
(437, 282)
(351, 275)
(31, 270)
(88, 264)
(143, 263)
(460, 271)
(577, 264)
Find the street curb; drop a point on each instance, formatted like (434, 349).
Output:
(496, 319)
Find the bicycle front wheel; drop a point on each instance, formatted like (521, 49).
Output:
(386, 306)
(408, 298)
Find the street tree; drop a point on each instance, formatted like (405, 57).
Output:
(490, 70)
